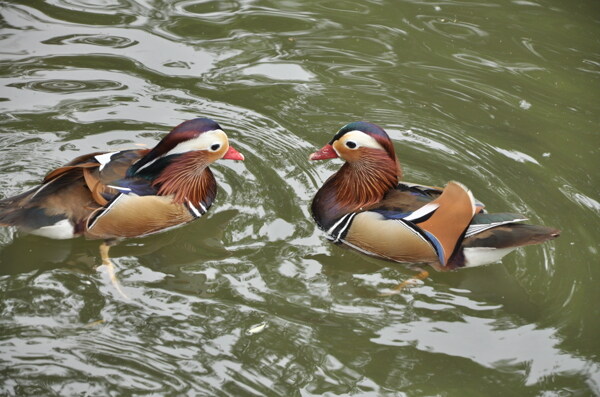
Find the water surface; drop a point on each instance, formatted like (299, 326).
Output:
(500, 95)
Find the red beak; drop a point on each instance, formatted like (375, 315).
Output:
(326, 152)
(232, 154)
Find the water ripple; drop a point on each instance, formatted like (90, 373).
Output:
(470, 59)
(59, 86)
(451, 28)
(98, 40)
(102, 6)
(139, 48)
(504, 346)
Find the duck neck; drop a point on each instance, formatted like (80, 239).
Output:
(187, 178)
(355, 186)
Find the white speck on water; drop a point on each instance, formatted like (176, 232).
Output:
(547, 154)
(517, 156)
(523, 104)
(255, 329)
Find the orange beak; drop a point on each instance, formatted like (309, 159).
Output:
(326, 152)
(232, 154)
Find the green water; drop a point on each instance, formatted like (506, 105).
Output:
(501, 95)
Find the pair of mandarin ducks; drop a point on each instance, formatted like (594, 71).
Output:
(365, 205)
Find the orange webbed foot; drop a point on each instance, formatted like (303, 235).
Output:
(110, 268)
(423, 274)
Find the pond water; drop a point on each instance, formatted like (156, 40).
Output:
(501, 95)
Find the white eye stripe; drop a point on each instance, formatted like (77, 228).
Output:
(202, 142)
(360, 139)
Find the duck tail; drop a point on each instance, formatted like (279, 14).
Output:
(490, 245)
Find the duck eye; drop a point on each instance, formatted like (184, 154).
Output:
(351, 144)
(215, 146)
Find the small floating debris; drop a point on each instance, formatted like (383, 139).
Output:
(523, 104)
(94, 323)
(255, 329)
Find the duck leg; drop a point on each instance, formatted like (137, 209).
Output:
(110, 268)
(423, 274)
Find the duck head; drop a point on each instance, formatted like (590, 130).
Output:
(178, 164)
(353, 140)
(370, 171)
(201, 135)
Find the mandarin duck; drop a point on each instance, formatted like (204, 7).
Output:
(128, 193)
(366, 206)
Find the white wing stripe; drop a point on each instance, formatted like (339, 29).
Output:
(343, 224)
(119, 188)
(194, 209)
(423, 211)
(332, 228)
(104, 159)
(345, 227)
(478, 228)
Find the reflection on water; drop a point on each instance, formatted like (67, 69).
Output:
(252, 299)
(280, 71)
